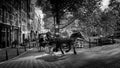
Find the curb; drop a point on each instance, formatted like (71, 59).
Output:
(4, 48)
(14, 57)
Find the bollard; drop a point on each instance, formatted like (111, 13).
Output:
(89, 43)
(32, 44)
(50, 49)
(97, 42)
(25, 47)
(29, 45)
(17, 51)
(6, 55)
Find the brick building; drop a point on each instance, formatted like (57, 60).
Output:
(14, 21)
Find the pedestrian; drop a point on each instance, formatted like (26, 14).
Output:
(41, 40)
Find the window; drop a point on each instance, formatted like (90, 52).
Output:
(7, 14)
(0, 14)
(3, 16)
(12, 2)
(11, 18)
(0, 11)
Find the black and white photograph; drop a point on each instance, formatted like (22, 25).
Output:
(59, 33)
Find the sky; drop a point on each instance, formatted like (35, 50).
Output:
(104, 4)
(40, 15)
(33, 1)
(118, 0)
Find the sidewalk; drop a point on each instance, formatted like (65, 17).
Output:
(97, 57)
(117, 40)
(9, 53)
(33, 52)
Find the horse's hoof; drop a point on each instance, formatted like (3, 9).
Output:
(62, 54)
(75, 53)
(67, 50)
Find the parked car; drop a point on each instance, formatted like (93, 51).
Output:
(106, 40)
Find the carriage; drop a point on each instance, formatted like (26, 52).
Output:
(62, 44)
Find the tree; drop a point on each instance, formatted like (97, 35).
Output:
(57, 8)
(104, 21)
(87, 11)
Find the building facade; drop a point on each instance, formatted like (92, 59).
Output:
(14, 24)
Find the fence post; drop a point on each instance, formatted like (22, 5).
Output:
(97, 42)
(32, 44)
(89, 43)
(29, 45)
(17, 51)
(6, 55)
(24, 46)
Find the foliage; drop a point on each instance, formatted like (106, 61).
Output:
(98, 22)
(91, 19)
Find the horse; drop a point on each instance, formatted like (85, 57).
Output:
(44, 41)
(69, 42)
(59, 41)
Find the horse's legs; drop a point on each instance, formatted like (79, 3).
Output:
(61, 49)
(69, 47)
(15, 45)
(39, 48)
(82, 44)
(74, 49)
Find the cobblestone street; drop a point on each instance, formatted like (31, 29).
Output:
(59, 33)
(100, 57)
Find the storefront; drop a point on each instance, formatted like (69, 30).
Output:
(15, 34)
(5, 35)
(8, 34)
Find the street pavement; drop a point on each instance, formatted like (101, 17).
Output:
(8, 53)
(98, 57)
